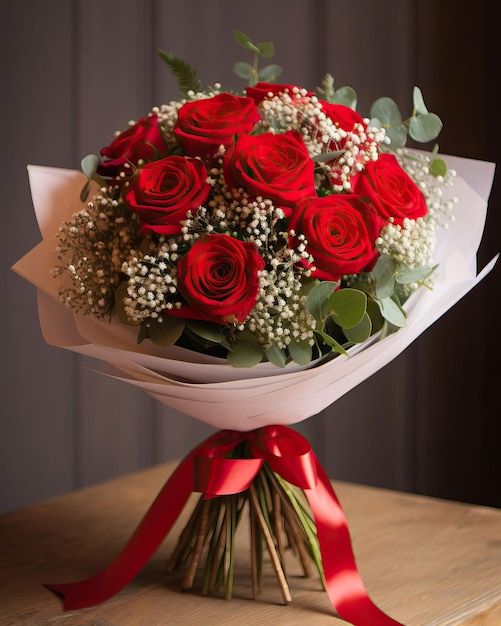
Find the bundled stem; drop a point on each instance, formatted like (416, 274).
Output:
(279, 519)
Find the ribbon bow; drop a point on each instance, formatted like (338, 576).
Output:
(208, 470)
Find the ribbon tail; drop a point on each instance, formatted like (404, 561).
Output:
(344, 585)
(151, 531)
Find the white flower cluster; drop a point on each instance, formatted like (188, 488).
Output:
(92, 247)
(152, 285)
(412, 244)
(280, 315)
(351, 149)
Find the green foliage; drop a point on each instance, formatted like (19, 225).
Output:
(245, 353)
(165, 332)
(119, 308)
(421, 125)
(344, 95)
(89, 165)
(208, 332)
(301, 352)
(184, 73)
(251, 72)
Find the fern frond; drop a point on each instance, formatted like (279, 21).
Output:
(184, 73)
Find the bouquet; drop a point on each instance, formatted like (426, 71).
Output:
(247, 259)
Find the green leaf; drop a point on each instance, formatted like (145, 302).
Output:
(317, 302)
(392, 312)
(183, 72)
(415, 275)
(243, 70)
(89, 165)
(386, 110)
(166, 332)
(425, 127)
(347, 96)
(119, 308)
(143, 333)
(301, 352)
(245, 353)
(397, 135)
(438, 167)
(266, 49)
(384, 275)
(276, 355)
(209, 330)
(244, 41)
(327, 156)
(375, 314)
(84, 194)
(269, 73)
(348, 307)
(331, 342)
(361, 332)
(418, 101)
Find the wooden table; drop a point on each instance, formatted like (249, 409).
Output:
(424, 561)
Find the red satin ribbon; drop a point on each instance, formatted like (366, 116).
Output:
(206, 469)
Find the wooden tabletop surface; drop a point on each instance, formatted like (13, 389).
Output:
(426, 562)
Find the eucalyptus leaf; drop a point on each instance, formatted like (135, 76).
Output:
(266, 49)
(418, 101)
(386, 111)
(166, 332)
(374, 313)
(392, 312)
(243, 70)
(361, 332)
(244, 41)
(317, 302)
(346, 96)
(397, 135)
(245, 353)
(414, 275)
(89, 165)
(327, 156)
(425, 127)
(331, 342)
(84, 194)
(269, 73)
(119, 307)
(438, 167)
(209, 330)
(375, 123)
(348, 307)
(301, 352)
(384, 275)
(276, 355)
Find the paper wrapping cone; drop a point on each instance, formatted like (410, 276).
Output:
(209, 389)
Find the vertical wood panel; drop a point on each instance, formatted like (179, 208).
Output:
(36, 384)
(76, 72)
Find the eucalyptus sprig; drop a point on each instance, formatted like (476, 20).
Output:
(251, 72)
(421, 125)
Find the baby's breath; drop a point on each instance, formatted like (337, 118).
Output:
(92, 246)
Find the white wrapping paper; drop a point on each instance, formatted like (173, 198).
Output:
(208, 388)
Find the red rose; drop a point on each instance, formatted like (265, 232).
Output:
(393, 193)
(260, 91)
(164, 191)
(344, 117)
(218, 278)
(275, 166)
(143, 141)
(340, 230)
(204, 125)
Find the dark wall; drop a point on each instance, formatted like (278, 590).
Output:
(74, 71)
